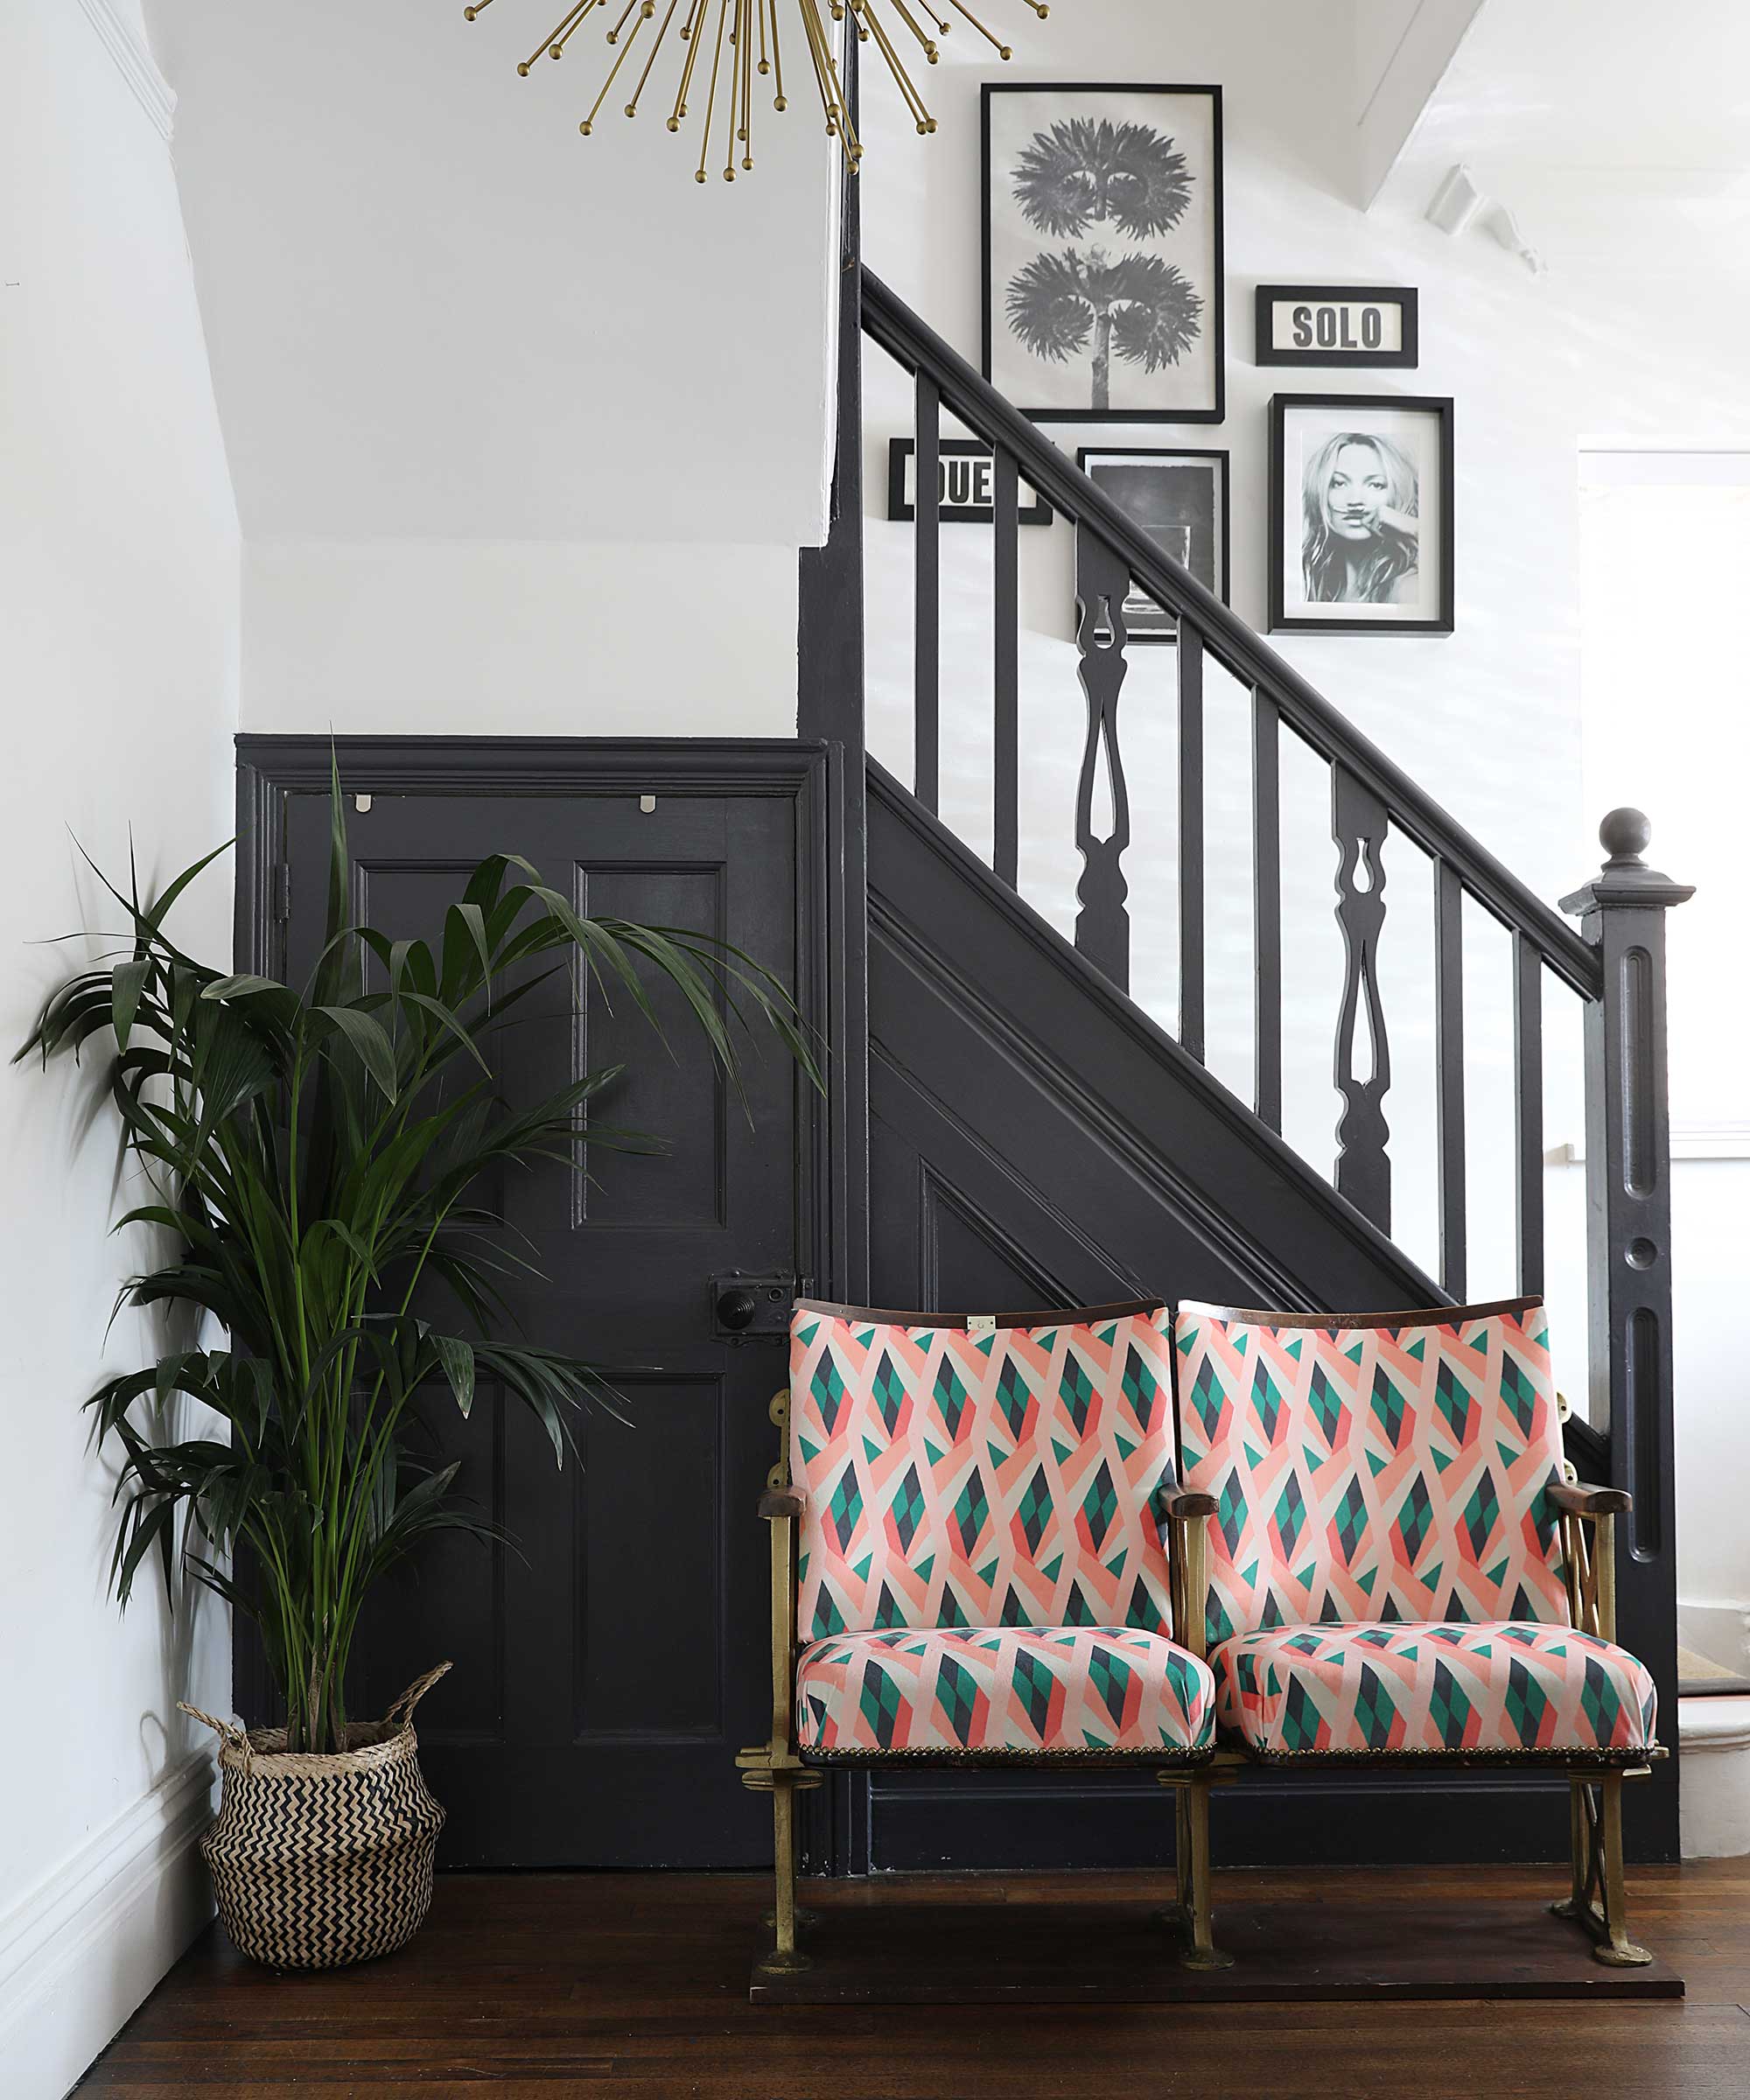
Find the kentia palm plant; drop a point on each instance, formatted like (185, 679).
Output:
(311, 1155)
(1082, 173)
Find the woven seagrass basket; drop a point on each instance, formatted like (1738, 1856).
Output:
(319, 1861)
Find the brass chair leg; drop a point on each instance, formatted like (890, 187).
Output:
(784, 1956)
(1181, 1851)
(1616, 1948)
(1579, 1845)
(1600, 1902)
(1176, 1916)
(1194, 1825)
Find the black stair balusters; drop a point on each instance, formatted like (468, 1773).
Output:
(1267, 908)
(926, 527)
(1358, 824)
(1006, 656)
(1192, 1019)
(1528, 1111)
(1103, 925)
(1449, 1075)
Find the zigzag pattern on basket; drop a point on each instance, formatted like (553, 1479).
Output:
(321, 1861)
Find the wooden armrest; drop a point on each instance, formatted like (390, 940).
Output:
(1580, 1500)
(1183, 1505)
(780, 1501)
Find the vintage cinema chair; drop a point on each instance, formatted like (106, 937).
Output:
(967, 1564)
(1398, 1568)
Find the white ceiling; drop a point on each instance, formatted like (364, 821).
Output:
(436, 311)
(1605, 84)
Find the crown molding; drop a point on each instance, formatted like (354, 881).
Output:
(135, 64)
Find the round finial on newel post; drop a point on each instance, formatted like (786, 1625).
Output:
(1625, 835)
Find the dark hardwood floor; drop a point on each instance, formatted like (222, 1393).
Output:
(541, 1984)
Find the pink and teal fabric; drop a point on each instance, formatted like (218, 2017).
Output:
(980, 1564)
(1436, 1690)
(1383, 1478)
(1373, 1473)
(1017, 1691)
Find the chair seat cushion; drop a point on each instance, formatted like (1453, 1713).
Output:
(1011, 1691)
(1498, 1688)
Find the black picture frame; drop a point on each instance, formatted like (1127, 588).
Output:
(1031, 510)
(1337, 357)
(1157, 625)
(1362, 409)
(1214, 293)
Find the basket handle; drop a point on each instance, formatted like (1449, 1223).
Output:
(231, 1737)
(401, 1709)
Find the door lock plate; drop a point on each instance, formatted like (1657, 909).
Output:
(751, 1308)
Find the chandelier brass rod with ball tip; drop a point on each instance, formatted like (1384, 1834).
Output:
(743, 43)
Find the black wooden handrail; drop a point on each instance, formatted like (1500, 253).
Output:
(916, 347)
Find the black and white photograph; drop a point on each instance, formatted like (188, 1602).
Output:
(1180, 499)
(1102, 252)
(1361, 514)
(1347, 327)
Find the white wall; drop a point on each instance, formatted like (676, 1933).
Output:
(526, 427)
(470, 639)
(436, 311)
(1679, 651)
(1488, 719)
(118, 665)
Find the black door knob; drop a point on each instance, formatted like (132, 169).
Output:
(735, 1310)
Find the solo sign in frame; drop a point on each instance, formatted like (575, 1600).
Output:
(1349, 327)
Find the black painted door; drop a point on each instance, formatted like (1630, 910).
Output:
(611, 1658)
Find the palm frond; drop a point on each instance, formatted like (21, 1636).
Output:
(314, 1159)
(1048, 306)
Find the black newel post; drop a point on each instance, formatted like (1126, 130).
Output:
(1629, 1252)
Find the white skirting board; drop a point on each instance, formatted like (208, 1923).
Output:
(1713, 1734)
(79, 1951)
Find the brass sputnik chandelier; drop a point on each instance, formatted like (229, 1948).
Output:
(744, 42)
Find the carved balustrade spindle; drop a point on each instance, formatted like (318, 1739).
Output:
(1103, 925)
(1358, 825)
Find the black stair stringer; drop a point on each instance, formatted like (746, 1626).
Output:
(1021, 1102)
(1036, 1140)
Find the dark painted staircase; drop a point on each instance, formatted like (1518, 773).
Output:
(1035, 1139)
(1138, 1173)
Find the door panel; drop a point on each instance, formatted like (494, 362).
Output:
(611, 1658)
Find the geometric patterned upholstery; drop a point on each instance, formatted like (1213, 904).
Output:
(1015, 1691)
(1385, 1574)
(1374, 1469)
(1003, 1478)
(980, 1566)
(1433, 1689)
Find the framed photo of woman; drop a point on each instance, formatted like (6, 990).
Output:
(1361, 514)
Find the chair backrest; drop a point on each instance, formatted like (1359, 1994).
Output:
(954, 1477)
(1389, 1466)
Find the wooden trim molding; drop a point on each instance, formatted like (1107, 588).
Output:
(81, 1949)
(1689, 1141)
(133, 60)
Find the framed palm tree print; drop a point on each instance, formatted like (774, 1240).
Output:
(1102, 252)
